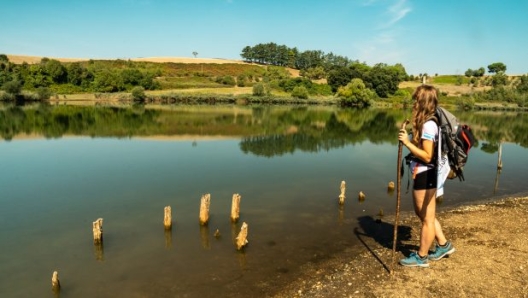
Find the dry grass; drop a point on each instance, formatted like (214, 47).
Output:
(18, 59)
(227, 90)
(450, 89)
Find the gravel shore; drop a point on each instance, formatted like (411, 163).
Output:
(491, 258)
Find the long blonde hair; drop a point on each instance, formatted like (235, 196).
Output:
(425, 101)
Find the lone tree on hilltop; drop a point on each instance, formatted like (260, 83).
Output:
(496, 67)
(195, 54)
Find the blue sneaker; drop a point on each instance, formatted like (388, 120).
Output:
(441, 251)
(414, 260)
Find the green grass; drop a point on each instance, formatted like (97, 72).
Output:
(188, 83)
(449, 79)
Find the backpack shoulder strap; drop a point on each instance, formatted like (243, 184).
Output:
(434, 118)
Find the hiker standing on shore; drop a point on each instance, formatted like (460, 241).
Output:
(427, 169)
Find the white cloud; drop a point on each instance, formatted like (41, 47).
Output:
(397, 11)
(383, 45)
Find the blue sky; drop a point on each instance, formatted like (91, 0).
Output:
(426, 36)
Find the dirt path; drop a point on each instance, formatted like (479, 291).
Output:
(491, 258)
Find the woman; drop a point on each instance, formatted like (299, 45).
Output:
(424, 167)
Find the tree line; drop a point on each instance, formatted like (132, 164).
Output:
(52, 76)
(282, 55)
(380, 80)
(321, 75)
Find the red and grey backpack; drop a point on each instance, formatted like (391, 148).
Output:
(456, 141)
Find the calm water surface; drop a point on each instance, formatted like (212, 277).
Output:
(53, 188)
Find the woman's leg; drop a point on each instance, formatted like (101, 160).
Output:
(439, 234)
(425, 208)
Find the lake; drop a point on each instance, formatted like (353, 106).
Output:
(65, 166)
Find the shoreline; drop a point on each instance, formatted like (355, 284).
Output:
(490, 237)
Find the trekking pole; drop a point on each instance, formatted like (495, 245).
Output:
(398, 187)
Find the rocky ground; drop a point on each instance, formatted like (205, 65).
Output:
(491, 258)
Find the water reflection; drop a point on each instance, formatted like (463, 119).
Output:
(265, 131)
(168, 238)
(204, 236)
(126, 164)
(99, 251)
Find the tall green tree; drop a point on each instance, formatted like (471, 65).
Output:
(359, 70)
(247, 54)
(338, 77)
(55, 70)
(385, 79)
(293, 55)
(76, 73)
(522, 87)
(496, 67)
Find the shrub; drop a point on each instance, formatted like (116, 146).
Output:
(313, 73)
(228, 80)
(44, 93)
(4, 96)
(522, 100)
(466, 102)
(138, 93)
(300, 92)
(260, 89)
(242, 80)
(355, 93)
(12, 87)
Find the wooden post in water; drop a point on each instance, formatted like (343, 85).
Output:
(361, 196)
(98, 231)
(241, 239)
(390, 187)
(235, 207)
(342, 195)
(204, 209)
(55, 283)
(167, 219)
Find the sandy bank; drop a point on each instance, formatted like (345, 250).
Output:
(491, 258)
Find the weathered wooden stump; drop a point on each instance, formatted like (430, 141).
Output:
(167, 219)
(98, 231)
(381, 213)
(361, 196)
(342, 195)
(204, 209)
(235, 207)
(55, 283)
(390, 187)
(241, 239)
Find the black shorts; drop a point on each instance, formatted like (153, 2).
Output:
(426, 180)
